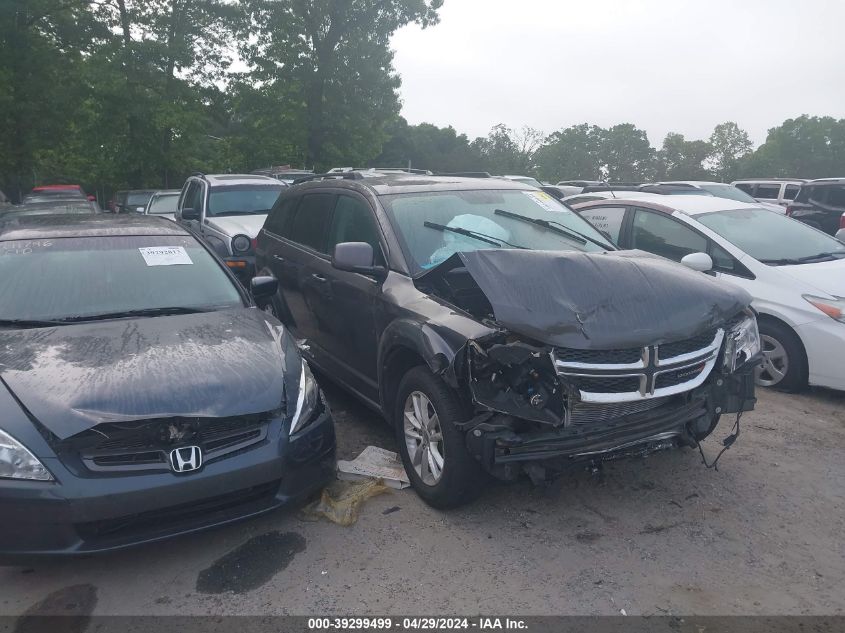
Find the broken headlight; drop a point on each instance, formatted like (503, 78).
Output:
(307, 401)
(742, 343)
(16, 462)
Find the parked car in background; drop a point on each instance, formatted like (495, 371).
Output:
(4, 200)
(795, 273)
(821, 204)
(227, 211)
(780, 191)
(163, 203)
(284, 173)
(75, 206)
(213, 416)
(604, 195)
(498, 332)
(578, 183)
(131, 201)
(705, 188)
(61, 191)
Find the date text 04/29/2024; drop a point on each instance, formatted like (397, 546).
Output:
(416, 624)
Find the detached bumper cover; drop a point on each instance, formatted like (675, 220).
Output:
(77, 515)
(681, 421)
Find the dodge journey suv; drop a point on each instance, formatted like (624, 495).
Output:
(497, 331)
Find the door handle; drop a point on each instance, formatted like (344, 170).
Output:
(279, 258)
(319, 277)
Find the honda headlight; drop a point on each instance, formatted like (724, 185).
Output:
(834, 308)
(742, 343)
(307, 401)
(16, 462)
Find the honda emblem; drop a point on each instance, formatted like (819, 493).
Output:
(186, 459)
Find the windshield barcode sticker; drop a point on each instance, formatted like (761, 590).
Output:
(165, 255)
(546, 201)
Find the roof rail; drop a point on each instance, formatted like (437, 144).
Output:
(465, 174)
(341, 175)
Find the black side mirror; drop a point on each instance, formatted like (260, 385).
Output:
(356, 257)
(190, 214)
(262, 288)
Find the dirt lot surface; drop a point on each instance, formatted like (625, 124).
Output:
(664, 535)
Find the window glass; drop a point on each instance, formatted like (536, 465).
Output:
(836, 196)
(353, 222)
(607, 219)
(767, 192)
(78, 277)
(747, 187)
(278, 222)
(193, 198)
(771, 237)
(729, 192)
(791, 191)
(432, 226)
(818, 194)
(722, 260)
(311, 224)
(660, 234)
(164, 204)
(243, 199)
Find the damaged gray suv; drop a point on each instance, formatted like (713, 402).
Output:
(497, 331)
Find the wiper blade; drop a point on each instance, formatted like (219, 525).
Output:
(29, 323)
(144, 312)
(481, 237)
(820, 256)
(554, 227)
(780, 262)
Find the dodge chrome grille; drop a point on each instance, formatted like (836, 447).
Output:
(658, 371)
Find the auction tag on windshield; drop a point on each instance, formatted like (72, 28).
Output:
(546, 201)
(165, 255)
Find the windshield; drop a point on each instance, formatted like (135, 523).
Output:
(164, 204)
(243, 199)
(527, 180)
(772, 238)
(728, 191)
(72, 207)
(138, 198)
(482, 219)
(76, 277)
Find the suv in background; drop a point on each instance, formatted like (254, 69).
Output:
(821, 204)
(497, 331)
(284, 173)
(131, 201)
(780, 191)
(707, 188)
(227, 211)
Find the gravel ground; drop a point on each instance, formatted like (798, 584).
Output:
(663, 535)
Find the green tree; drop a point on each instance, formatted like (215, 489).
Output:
(804, 147)
(427, 146)
(680, 159)
(571, 154)
(508, 151)
(730, 145)
(337, 53)
(626, 154)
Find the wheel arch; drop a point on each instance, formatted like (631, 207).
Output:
(765, 317)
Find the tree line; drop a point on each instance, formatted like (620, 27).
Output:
(140, 93)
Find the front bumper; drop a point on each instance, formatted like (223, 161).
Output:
(824, 342)
(76, 515)
(504, 445)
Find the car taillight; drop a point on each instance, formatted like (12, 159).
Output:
(254, 243)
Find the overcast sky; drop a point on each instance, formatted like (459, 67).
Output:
(664, 65)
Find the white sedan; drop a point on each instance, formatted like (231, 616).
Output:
(795, 273)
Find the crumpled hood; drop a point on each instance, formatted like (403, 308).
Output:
(611, 300)
(248, 225)
(217, 364)
(828, 277)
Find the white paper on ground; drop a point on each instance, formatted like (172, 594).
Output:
(375, 463)
(165, 255)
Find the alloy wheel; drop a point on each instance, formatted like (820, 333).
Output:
(775, 364)
(424, 437)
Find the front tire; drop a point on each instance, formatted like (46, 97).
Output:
(433, 451)
(784, 360)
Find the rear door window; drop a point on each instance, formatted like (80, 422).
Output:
(279, 220)
(353, 222)
(311, 223)
(660, 234)
(836, 197)
(790, 191)
(747, 187)
(767, 192)
(607, 219)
